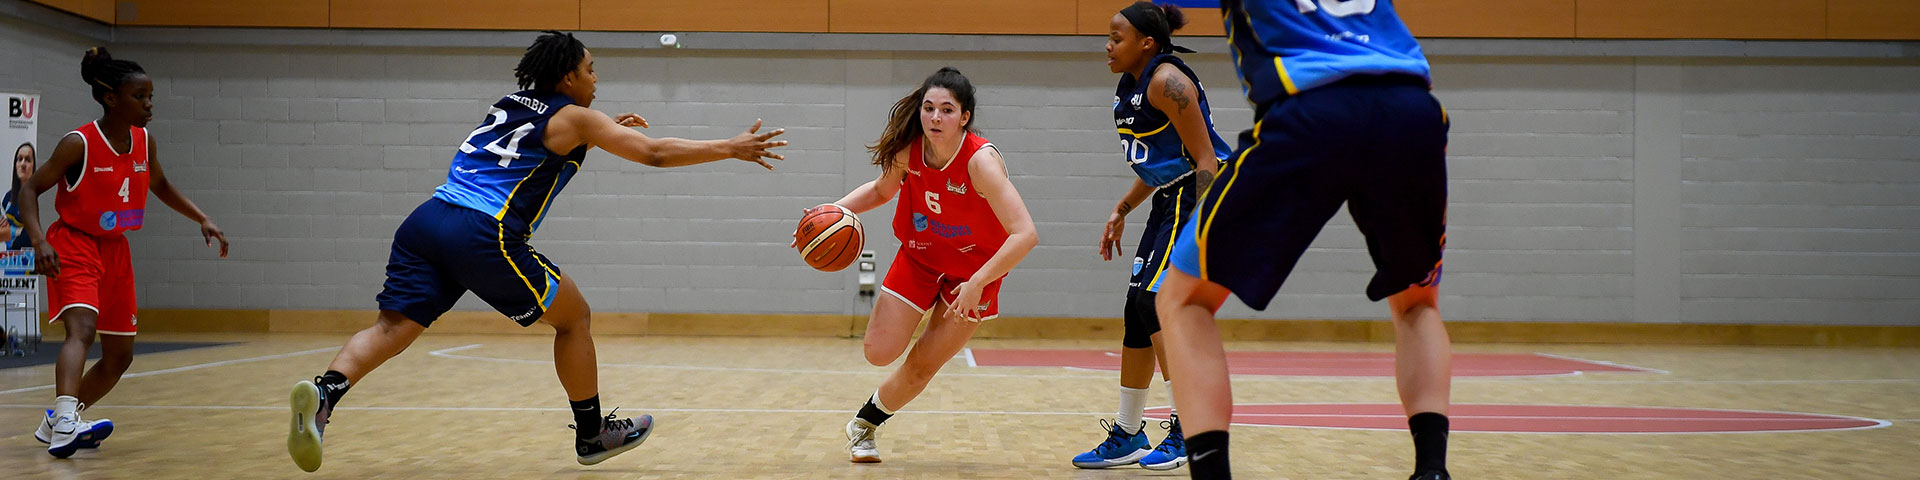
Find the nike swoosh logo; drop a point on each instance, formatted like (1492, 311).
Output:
(1198, 456)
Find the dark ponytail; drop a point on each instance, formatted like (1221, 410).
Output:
(903, 121)
(105, 74)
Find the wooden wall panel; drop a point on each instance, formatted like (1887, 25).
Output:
(1873, 19)
(1732, 19)
(1489, 18)
(809, 16)
(223, 13)
(1046, 17)
(1093, 15)
(100, 10)
(458, 14)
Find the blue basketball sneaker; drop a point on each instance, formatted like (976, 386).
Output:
(1172, 452)
(1120, 448)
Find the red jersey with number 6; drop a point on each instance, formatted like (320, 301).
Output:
(942, 220)
(106, 193)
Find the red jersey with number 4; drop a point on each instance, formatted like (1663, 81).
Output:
(942, 220)
(109, 194)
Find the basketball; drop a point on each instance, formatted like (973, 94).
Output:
(829, 237)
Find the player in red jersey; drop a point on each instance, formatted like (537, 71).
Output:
(961, 226)
(104, 170)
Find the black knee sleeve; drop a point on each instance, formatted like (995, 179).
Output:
(1142, 320)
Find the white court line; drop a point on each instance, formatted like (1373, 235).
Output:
(1876, 423)
(555, 409)
(448, 353)
(1603, 362)
(1536, 417)
(968, 351)
(190, 367)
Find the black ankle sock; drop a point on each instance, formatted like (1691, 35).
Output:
(872, 413)
(1207, 453)
(1429, 441)
(586, 417)
(335, 385)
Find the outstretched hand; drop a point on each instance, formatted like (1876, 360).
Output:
(752, 146)
(630, 120)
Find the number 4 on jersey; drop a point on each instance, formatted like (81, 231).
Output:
(507, 147)
(124, 182)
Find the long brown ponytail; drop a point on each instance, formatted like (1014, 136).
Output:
(903, 120)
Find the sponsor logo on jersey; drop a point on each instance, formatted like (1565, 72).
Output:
(918, 245)
(922, 223)
(107, 221)
(967, 248)
(1135, 100)
(139, 167)
(468, 171)
(913, 171)
(102, 169)
(959, 189)
(1138, 263)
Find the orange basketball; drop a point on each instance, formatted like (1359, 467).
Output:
(829, 237)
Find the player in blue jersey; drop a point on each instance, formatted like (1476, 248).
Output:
(1343, 115)
(472, 236)
(23, 160)
(1165, 124)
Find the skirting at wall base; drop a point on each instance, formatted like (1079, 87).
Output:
(788, 325)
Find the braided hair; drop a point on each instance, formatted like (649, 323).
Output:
(549, 60)
(106, 74)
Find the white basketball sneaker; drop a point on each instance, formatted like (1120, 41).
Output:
(861, 437)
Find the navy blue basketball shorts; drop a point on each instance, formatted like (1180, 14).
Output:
(1375, 143)
(1171, 205)
(444, 250)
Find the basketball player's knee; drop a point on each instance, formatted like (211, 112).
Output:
(881, 355)
(80, 328)
(115, 363)
(1409, 304)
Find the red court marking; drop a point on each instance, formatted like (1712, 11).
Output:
(1314, 364)
(1542, 418)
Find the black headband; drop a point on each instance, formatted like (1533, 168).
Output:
(1148, 19)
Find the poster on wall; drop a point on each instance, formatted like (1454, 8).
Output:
(19, 137)
(19, 289)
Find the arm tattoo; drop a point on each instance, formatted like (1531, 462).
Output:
(1125, 207)
(1202, 180)
(1177, 92)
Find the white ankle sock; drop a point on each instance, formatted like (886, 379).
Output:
(66, 406)
(1132, 402)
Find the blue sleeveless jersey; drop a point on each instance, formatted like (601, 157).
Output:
(1284, 47)
(504, 169)
(1152, 147)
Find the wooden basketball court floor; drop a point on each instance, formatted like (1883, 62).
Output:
(488, 406)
